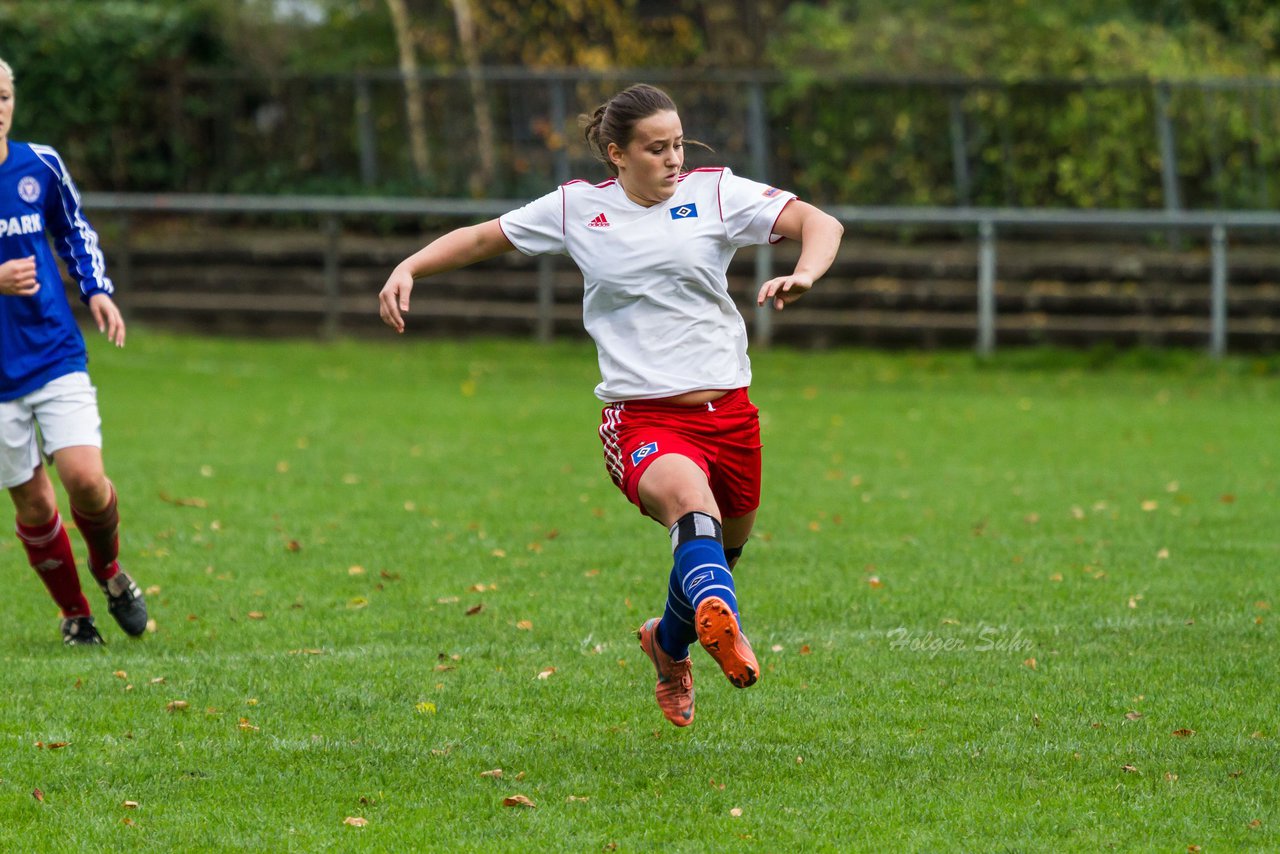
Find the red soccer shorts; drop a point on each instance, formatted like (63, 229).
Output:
(722, 437)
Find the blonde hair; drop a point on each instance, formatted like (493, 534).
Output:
(7, 69)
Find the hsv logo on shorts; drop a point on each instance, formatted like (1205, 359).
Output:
(684, 212)
(599, 221)
(640, 453)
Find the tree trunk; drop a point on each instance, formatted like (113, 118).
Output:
(481, 179)
(412, 87)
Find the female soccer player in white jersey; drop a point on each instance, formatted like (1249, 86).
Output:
(681, 437)
(44, 386)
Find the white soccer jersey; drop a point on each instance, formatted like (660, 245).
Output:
(656, 299)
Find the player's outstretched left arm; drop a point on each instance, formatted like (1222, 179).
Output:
(107, 317)
(819, 235)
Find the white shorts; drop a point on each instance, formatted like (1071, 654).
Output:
(65, 411)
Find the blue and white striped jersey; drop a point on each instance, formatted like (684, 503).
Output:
(39, 203)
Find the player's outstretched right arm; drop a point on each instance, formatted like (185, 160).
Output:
(458, 248)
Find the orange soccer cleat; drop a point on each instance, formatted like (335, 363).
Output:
(675, 678)
(722, 637)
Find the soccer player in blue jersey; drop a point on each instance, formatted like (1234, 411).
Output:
(46, 400)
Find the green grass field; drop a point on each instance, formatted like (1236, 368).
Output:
(1027, 605)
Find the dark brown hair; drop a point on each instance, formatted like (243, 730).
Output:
(615, 120)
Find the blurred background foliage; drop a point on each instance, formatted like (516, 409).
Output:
(866, 101)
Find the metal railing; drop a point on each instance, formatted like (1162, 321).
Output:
(986, 224)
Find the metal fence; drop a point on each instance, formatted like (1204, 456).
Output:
(1171, 145)
(985, 224)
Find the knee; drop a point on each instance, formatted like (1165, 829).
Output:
(34, 501)
(86, 488)
(683, 502)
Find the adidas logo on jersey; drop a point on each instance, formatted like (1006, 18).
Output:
(599, 222)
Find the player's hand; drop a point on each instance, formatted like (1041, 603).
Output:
(107, 316)
(18, 277)
(784, 290)
(393, 301)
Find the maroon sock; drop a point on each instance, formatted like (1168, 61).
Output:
(101, 532)
(49, 552)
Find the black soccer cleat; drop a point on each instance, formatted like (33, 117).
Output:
(80, 631)
(125, 602)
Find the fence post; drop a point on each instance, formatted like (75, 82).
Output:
(1168, 158)
(545, 326)
(332, 278)
(986, 288)
(1218, 293)
(559, 111)
(960, 150)
(125, 250)
(364, 132)
(757, 144)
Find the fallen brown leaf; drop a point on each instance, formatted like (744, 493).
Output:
(38, 795)
(355, 821)
(475, 609)
(57, 745)
(1133, 716)
(525, 625)
(183, 502)
(736, 812)
(257, 615)
(130, 805)
(546, 673)
(496, 773)
(517, 801)
(177, 706)
(1129, 769)
(1184, 733)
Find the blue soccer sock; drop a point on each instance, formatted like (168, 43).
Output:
(701, 567)
(675, 630)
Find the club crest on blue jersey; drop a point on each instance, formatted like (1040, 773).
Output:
(684, 212)
(28, 188)
(640, 453)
